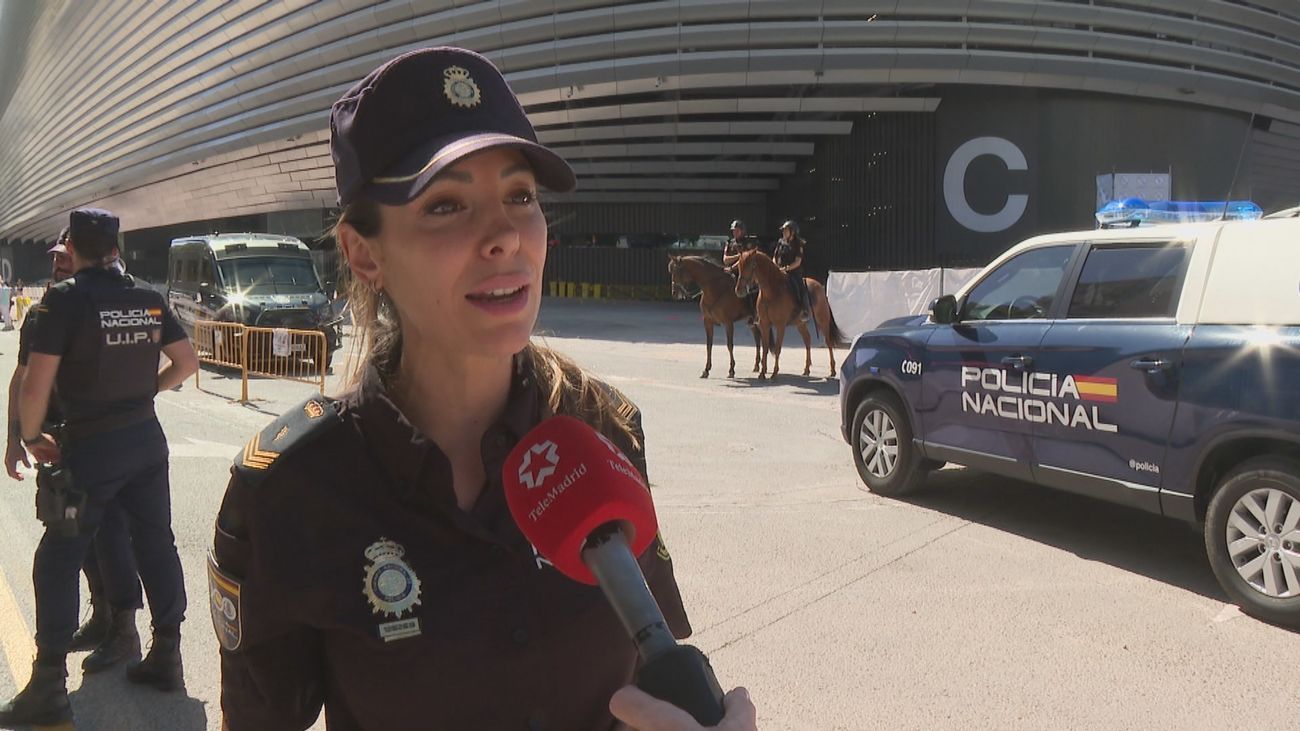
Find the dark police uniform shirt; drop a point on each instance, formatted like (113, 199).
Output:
(109, 332)
(787, 253)
(345, 574)
(52, 415)
(746, 243)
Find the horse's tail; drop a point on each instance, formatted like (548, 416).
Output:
(837, 335)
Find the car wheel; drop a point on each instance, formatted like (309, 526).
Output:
(883, 452)
(1252, 535)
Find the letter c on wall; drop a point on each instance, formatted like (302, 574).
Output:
(954, 185)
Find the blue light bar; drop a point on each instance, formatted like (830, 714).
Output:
(1138, 212)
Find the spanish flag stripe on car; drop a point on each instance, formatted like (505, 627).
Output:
(1097, 389)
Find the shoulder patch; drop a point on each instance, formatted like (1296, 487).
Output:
(629, 411)
(622, 404)
(296, 427)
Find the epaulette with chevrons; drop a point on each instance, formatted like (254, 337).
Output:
(622, 404)
(296, 427)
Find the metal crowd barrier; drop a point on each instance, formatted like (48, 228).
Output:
(293, 355)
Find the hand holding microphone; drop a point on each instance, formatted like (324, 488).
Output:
(584, 506)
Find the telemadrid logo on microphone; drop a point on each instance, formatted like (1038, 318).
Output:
(539, 463)
(541, 451)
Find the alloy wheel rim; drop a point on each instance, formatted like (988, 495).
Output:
(878, 444)
(1264, 542)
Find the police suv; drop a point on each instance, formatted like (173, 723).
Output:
(1154, 367)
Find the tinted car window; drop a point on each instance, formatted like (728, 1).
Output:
(1129, 281)
(270, 275)
(1022, 288)
(205, 272)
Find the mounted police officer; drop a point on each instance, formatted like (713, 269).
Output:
(789, 256)
(739, 243)
(99, 336)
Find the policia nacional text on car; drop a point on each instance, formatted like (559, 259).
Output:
(99, 336)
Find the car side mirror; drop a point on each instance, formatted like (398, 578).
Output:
(944, 310)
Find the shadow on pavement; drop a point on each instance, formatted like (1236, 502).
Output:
(800, 384)
(1163, 549)
(107, 702)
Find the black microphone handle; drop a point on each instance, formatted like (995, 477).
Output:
(678, 674)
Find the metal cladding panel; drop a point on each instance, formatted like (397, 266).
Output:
(865, 200)
(608, 266)
(648, 218)
(1014, 164)
(145, 120)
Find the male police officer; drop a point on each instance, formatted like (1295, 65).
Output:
(100, 336)
(127, 596)
(738, 244)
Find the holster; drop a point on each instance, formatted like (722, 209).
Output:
(59, 504)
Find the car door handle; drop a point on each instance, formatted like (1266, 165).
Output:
(1152, 365)
(1019, 362)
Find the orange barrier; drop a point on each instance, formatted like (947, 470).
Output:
(294, 355)
(222, 344)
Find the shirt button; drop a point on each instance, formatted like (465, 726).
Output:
(520, 636)
(499, 441)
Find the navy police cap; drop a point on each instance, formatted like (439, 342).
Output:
(90, 225)
(419, 113)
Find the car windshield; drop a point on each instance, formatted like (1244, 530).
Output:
(269, 275)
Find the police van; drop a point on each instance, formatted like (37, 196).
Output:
(261, 280)
(1154, 367)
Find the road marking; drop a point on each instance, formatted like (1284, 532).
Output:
(15, 637)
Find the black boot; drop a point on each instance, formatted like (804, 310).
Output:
(161, 668)
(44, 702)
(95, 630)
(121, 643)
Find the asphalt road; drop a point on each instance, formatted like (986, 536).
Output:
(981, 603)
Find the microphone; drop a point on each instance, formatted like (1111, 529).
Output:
(586, 508)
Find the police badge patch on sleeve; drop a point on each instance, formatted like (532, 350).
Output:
(223, 601)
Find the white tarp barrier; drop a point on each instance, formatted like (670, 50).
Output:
(955, 279)
(863, 300)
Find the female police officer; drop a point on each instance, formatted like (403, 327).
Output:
(365, 559)
(789, 256)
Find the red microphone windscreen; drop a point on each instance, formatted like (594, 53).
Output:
(564, 480)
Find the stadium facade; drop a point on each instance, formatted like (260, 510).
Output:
(901, 134)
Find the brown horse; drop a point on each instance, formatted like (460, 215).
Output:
(777, 308)
(719, 304)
